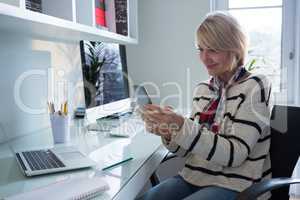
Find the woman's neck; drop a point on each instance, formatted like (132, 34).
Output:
(225, 77)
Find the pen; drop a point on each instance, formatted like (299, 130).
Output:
(51, 107)
(65, 108)
(118, 163)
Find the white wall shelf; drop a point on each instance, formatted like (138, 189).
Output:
(11, 2)
(57, 24)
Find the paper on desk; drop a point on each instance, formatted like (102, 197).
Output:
(295, 188)
(76, 188)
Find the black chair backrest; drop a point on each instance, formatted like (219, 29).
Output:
(285, 144)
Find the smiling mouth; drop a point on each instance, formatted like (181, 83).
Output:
(211, 66)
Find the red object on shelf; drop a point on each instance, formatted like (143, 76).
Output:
(100, 13)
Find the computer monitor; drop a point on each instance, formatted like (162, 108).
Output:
(105, 79)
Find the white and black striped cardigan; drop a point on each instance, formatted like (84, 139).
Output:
(239, 155)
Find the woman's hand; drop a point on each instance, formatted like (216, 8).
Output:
(161, 121)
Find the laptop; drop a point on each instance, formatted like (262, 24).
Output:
(51, 160)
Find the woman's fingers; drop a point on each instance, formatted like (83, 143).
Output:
(156, 111)
(168, 109)
(148, 110)
(160, 121)
(153, 115)
(159, 118)
(151, 127)
(152, 107)
(157, 129)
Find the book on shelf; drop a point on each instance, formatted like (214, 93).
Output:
(34, 5)
(117, 16)
(100, 13)
(110, 15)
(121, 17)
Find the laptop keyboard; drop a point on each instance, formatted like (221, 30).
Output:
(42, 159)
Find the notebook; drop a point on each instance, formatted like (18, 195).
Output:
(75, 189)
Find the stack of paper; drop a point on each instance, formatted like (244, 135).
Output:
(76, 188)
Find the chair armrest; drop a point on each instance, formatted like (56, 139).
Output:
(168, 157)
(257, 189)
(154, 179)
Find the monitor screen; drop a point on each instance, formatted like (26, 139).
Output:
(105, 78)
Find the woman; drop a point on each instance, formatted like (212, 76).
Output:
(226, 139)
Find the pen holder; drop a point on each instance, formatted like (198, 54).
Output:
(60, 128)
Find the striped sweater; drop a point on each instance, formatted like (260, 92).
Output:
(238, 155)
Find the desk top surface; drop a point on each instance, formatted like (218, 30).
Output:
(99, 146)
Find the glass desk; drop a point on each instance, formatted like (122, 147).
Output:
(125, 181)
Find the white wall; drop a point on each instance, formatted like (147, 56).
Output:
(166, 51)
(25, 86)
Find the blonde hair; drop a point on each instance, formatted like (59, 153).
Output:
(221, 31)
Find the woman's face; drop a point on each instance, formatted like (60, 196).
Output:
(217, 63)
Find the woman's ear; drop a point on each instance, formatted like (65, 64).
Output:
(234, 60)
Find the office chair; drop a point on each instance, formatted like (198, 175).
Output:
(262, 187)
(284, 152)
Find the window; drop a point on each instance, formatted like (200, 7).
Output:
(233, 4)
(271, 28)
(265, 37)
